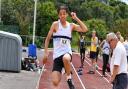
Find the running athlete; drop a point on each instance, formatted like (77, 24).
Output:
(61, 31)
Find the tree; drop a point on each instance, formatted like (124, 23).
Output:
(99, 26)
(98, 10)
(122, 26)
(8, 16)
(47, 13)
(121, 9)
(23, 10)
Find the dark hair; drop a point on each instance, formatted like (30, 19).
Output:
(63, 7)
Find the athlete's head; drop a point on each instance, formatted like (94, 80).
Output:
(62, 13)
(93, 33)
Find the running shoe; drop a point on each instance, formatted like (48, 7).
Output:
(104, 75)
(70, 84)
(80, 73)
(91, 72)
(80, 69)
(96, 66)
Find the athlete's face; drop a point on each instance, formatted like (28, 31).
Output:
(93, 34)
(63, 15)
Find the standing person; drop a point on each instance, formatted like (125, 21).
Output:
(94, 42)
(106, 51)
(82, 52)
(61, 31)
(97, 50)
(126, 47)
(118, 64)
(120, 38)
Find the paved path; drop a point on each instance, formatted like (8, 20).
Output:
(22, 80)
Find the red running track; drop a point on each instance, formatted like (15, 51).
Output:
(85, 81)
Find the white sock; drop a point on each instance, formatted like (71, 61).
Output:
(63, 71)
(69, 76)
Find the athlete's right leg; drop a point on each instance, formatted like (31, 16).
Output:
(56, 72)
(104, 65)
(82, 54)
(93, 60)
(94, 63)
(56, 77)
(82, 63)
(83, 57)
(67, 63)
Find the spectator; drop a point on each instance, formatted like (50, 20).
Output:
(94, 42)
(118, 64)
(120, 38)
(82, 52)
(106, 51)
(126, 47)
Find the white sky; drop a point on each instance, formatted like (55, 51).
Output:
(125, 1)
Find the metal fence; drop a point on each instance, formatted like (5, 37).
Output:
(39, 41)
(10, 28)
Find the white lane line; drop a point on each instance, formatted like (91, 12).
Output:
(97, 71)
(103, 77)
(99, 67)
(78, 76)
(37, 86)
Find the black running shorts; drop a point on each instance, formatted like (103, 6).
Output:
(58, 64)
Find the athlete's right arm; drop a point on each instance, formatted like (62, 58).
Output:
(47, 40)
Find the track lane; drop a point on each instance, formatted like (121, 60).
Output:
(46, 83)
(91, 81)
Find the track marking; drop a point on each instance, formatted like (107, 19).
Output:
(37, 86)
(98, 67)
(78, 76)
(97, 71)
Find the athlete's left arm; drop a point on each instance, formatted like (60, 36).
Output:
(81, 27)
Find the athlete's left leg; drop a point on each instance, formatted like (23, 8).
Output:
(67, 66)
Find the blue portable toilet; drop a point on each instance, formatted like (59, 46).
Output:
(32, 51)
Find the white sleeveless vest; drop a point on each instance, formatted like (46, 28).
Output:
(106, 48)
(62, 40)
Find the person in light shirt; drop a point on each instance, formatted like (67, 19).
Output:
(126, 47)
(106, 51)
(120, 38)
(118, 63)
